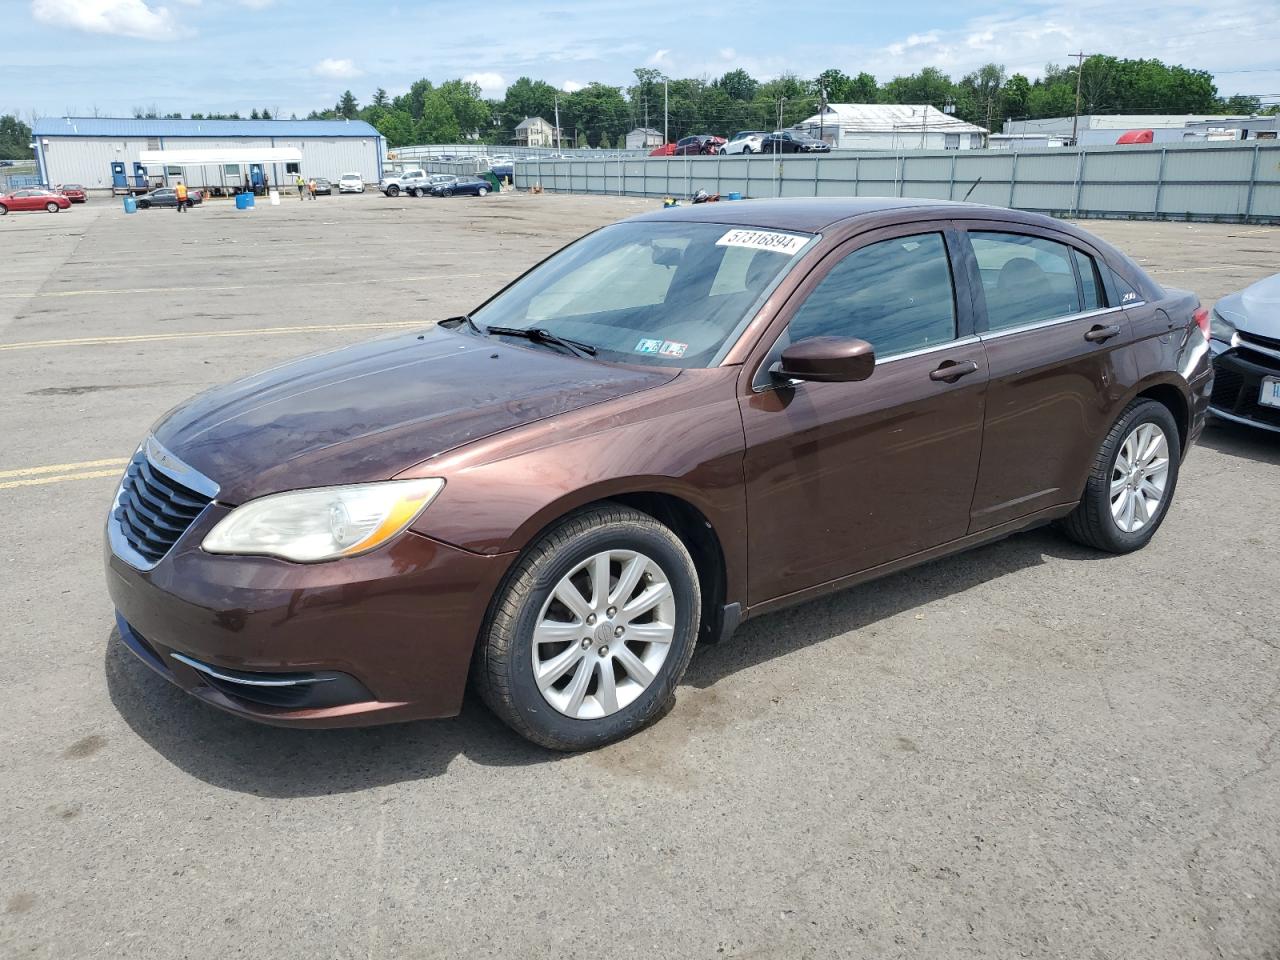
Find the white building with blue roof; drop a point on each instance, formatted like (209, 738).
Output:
(102, 153)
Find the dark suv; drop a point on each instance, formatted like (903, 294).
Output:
(792, 141)
(678, 422)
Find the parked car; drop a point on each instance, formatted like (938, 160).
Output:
(323, 187)
(747, 141)
(462, 186)
(393, 185)
(33, 198)
(666, 150)
(167, 197)
(424, 189)
(1245, 340)
(73, 192)
(792, 141)
(698, 145)
(351, 183)
(607, 462)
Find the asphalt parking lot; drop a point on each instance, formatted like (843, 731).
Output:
(1029, 750)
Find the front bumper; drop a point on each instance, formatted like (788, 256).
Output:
(1238, 373)
(379, 638)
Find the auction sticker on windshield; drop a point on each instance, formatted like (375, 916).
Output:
(788, 243)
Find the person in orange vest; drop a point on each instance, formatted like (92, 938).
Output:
(181, 192)
(311, 187)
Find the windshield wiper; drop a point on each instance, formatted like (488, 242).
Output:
(542, 335)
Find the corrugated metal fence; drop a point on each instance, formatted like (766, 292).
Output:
(1229, 182)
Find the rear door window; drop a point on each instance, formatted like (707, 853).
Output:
(896, 294)
(1089, 285)
(1025, 279)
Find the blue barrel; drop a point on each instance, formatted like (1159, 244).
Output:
(130, 205)
(242, 201)
(248, 200)
(735, 195)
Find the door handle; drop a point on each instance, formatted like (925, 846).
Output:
(1100, 334)
(952, 370)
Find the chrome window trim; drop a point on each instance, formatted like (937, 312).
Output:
(923, 351)
(1056, 321)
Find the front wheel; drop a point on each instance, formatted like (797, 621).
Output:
(3, 209)
(1132, 481)
(483, 191)
(52, 207)
(747, 149)
(591, 631)
(393, 191)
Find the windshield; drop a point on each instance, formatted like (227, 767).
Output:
(668, 294)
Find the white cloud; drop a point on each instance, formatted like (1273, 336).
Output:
(728, 53)
(661, 58)
(125, 18)
(255, 4)
(490, 84)
(569, 86)
(335, 69)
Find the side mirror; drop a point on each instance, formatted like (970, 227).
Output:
(827, 360)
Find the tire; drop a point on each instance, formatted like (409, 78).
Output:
(52, 207)
(393, 190)
(504, 669)
(724, 152)
(448, 192)
(413, 191)
(483, 191)
(3, 210)
(144, 205)
(1094, 523)
(747, 149)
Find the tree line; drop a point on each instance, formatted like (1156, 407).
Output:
(600, 115)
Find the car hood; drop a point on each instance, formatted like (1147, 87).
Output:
(370, 411)
(1255, 309)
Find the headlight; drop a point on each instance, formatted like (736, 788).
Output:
(307, 526)
(1219, 329)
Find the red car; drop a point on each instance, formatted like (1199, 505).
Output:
(666, 150)
(73, 192)
(33, 198)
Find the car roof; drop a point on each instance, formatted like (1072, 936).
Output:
(815, 214)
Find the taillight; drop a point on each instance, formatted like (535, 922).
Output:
(1201, 317)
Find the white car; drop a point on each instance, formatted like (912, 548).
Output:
(748, 141)
(351, 183)
(406, 182)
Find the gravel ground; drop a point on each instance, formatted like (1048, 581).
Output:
(1025, 751)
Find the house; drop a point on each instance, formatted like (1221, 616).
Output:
(644, 138)
(536, 132)
(892, 126)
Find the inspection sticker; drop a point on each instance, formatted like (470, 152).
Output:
(647, 346)
(787, 243)
(673, 348)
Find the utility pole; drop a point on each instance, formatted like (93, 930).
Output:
(822, 114)
(666, 104)
(1075, 120)
(557, 124)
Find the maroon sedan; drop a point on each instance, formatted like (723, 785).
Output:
(681, 421)
(33, 198)
(73, 192)
(701, 144)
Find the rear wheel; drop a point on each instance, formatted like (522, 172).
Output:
(591, 631)
(1132, 482)
(393, 191)
(3, 209)
(52, 207)
(723, 152)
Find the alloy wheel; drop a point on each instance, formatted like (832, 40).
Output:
(603, 634)
(1139, 477)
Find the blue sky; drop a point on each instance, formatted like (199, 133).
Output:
(72, 56)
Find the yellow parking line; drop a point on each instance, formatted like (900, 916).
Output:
(196, 335)
(170, 290)
(63, 467)
(60, 478)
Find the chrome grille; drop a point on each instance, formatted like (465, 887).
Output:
(153, 510)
